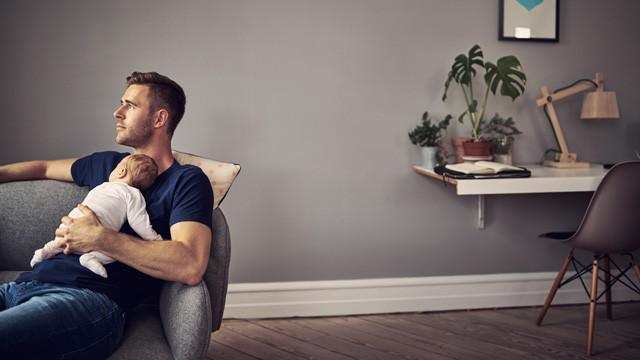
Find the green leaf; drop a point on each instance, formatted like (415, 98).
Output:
(473, 107)
(444, 123)
(462, 70)
(461, 117)
(446, 85)
(427, 133)
(507, 72)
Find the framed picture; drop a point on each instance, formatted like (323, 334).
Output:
(529, 20)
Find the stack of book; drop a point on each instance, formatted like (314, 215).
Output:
(482, 170)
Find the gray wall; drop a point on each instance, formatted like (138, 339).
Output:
(315, 99)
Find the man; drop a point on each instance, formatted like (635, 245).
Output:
(61, 310)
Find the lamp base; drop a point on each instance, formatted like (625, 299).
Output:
(566, 160)
(566, 165)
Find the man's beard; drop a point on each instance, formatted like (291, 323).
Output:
(138, 136)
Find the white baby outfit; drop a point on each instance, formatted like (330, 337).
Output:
(113, 203)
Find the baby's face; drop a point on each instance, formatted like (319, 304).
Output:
(114, 174)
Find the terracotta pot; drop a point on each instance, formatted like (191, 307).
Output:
(480, 148)
(458, 150)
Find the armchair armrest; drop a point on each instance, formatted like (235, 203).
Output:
(185, 312)
(190, 314)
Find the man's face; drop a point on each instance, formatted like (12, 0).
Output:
(134, 125)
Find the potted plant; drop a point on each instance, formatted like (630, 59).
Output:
(500, 132)
(506, 73)
(429, 137)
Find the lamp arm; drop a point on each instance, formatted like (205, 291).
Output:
(582, 85)
(555, 136)
(547, 101)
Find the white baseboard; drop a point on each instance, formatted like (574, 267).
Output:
(379, 296)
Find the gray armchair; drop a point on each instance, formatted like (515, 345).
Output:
(176, 323)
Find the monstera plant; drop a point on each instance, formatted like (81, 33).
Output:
(506, 73)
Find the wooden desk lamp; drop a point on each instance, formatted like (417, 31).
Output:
(598, 104)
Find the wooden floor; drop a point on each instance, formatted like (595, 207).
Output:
(482, 334)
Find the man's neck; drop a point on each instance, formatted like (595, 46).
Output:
(162, 155)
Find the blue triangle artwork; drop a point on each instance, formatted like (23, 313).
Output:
(530, 4)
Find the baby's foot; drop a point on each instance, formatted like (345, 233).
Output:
(90, 262)
(37, 257)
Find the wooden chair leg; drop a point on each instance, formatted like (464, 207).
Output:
(592, 306)
(554, 288)
(635, 266)
(607, 283)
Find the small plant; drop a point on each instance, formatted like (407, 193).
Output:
(500, 132)
(507, 71)
(428, 134)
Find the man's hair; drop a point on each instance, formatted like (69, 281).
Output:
(164, 93)
(142, 170)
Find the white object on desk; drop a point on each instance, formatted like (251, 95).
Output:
(542, 180)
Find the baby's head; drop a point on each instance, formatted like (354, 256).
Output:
(137, 170)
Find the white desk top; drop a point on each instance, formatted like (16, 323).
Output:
(542, 180)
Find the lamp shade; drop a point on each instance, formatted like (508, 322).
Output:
(600, 105)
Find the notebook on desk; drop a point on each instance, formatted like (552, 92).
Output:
(482, 170)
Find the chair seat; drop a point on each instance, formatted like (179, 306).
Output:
(559, 235)
(144, 336)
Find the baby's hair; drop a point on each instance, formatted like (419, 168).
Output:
(143, 171)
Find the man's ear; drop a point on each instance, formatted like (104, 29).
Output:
(162, 118)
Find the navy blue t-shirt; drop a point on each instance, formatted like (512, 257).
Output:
(181, 193)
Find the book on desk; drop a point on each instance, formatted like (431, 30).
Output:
(482, 170)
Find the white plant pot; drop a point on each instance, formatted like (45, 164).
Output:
(503, 158)
(429, 156)
(503, 151)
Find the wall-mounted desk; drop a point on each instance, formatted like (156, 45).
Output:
(542, 180)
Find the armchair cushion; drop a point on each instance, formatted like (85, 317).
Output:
(220, 174)
(144, 337)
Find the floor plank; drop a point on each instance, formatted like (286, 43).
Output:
(480, 334)
(452, 343)
(401, 337)
(301, 348)
(218, 350)
(247, 345)
(337, 341)
(368, 344)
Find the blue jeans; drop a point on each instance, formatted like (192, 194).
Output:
(51, 321)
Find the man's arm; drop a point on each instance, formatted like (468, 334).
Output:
(183, 259)
(37, 170)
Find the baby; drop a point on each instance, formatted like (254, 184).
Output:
(114, 202)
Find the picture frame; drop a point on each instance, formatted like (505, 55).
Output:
(529, 20)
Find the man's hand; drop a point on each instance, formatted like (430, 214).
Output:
(81, 234)
(183, 258)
